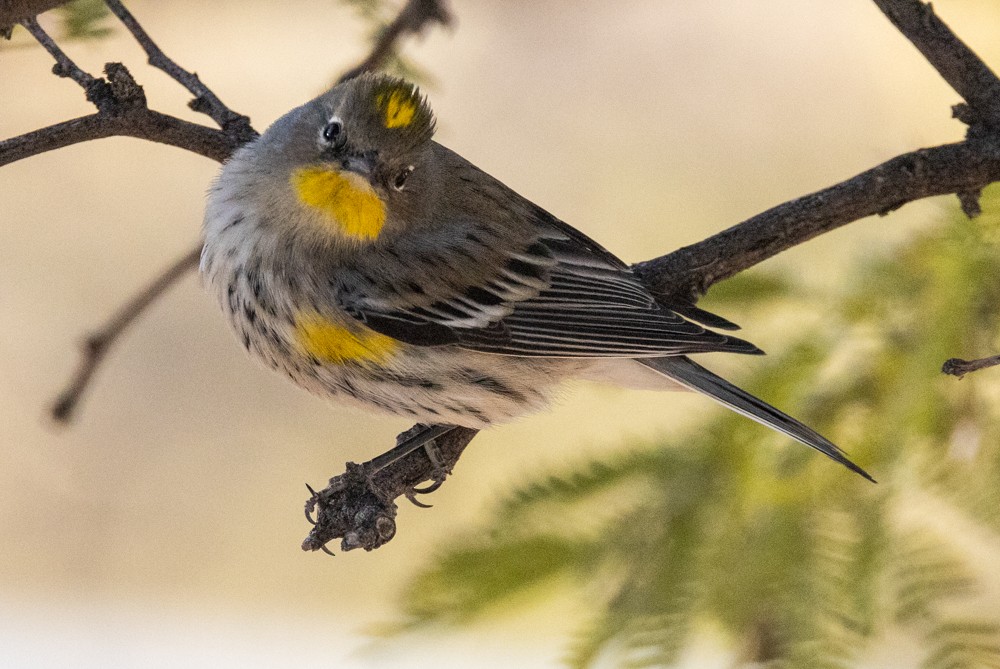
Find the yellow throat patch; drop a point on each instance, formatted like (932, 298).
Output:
(399, 106)
(347, 200)
(330, 342)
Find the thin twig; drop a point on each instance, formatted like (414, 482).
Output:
(411, 20)
(141, 124)
(950, 56)
(98, 343)
(64, 66)
(958, 367)
(205, 100)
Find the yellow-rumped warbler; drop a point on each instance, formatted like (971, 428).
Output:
(371, 264)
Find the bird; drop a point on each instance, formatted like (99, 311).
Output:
(374, 266)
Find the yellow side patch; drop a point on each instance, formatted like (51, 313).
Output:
(399, 107)
(330, 342)
(347, 199)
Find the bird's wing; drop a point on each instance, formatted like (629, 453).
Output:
(555, 294)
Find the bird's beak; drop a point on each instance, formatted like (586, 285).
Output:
(362, 164)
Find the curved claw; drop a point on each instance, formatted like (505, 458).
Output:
(417, 502)
(327, 551)
(311, 505)
(429, 489)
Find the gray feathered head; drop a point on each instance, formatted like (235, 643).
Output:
(382, 110)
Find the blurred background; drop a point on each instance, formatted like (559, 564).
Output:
(162, 527)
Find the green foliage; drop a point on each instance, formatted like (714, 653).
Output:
(84, 19)
(78, 20)
(739, 530)
(749, 289)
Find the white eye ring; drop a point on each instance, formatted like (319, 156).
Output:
(400, 180)
(333, 131)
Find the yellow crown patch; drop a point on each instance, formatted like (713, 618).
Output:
(399, 105)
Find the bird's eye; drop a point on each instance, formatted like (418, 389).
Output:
(400, 179)
(333, 132)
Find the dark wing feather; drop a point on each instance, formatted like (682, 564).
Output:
(593, 306)
(553, 297)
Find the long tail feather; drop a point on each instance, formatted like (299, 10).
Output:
(692, 375)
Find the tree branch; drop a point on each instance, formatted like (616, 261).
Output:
(121, 111)
(139, 123)
(358, 506)
(98, 343)
(411, 20)
(205, 101)
(951, 57)
(958, 367)
(685, 274)
(64, 67)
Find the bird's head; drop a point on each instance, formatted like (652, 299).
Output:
(357, 159)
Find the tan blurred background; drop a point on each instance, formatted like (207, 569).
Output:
(161, 529)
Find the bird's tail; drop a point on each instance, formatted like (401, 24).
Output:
(692, 375)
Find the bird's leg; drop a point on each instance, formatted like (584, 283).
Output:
(439, 473)
(419, 436)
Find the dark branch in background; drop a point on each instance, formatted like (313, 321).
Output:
(360, 508)
(958, 367)
(412, 19)
(97, 343)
